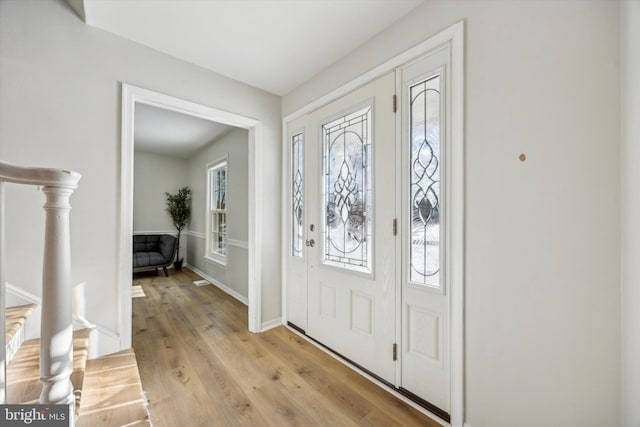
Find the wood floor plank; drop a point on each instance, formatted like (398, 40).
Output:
(383, 401)
(112, 394)
(270, 374)
(201, 367)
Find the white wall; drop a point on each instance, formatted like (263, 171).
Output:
(630, 90)
(234, 145)
(542, 239)
(60, 82)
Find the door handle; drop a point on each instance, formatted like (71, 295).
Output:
(310, 243)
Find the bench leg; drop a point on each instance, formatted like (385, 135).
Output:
(166, 273)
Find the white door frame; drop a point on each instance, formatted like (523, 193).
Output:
(454, 37)
(132, 95)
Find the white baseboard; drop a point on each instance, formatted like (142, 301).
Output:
(271, 324)
(220, 285)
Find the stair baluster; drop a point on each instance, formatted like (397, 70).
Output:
(56, 342)
(56, 329)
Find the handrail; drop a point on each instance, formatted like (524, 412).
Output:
(56, 328)
(45, 177)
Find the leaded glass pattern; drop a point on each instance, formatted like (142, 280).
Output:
(297, 194)
(425, 174)
(347, 191)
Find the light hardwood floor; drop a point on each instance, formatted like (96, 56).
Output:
(201, 367)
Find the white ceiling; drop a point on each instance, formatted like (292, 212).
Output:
(172, 134)
(275, 45)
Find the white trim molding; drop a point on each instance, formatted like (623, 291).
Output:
(230, 242)
(220, 285)
(220, 263)
(454, 38)
(195, 234)
(28, 297)
(132, 95)
(238, 243)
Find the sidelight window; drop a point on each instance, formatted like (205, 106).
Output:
(425, 178)
(297, 194)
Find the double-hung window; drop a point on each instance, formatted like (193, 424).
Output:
(217, 211)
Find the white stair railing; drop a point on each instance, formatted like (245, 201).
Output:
(56, 334)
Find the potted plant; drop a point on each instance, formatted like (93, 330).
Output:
(179, 208)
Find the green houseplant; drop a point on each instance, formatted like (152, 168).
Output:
(179, 208)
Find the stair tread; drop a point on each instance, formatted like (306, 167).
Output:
(112, 392)
(23, 373)
(15, 318)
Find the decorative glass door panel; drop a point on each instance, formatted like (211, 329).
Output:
(297, 194)
(298, 206)
(347, 191)
(425, 199)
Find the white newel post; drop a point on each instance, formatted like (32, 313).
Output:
(56, 344)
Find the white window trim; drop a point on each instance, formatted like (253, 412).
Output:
(211, 166)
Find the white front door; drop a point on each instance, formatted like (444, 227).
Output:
(379, 300)
(351, 206)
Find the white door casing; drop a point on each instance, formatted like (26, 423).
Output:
(130, 96)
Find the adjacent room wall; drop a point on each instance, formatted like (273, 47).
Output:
(60, 106)
(542, 282)
(155, 175)
(630, 90)
(233, 276)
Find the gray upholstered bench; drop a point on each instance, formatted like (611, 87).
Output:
(153, 251)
